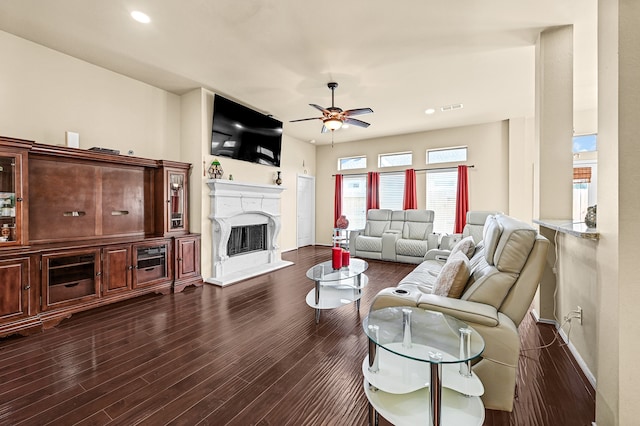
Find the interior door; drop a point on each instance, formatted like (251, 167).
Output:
(306, 210)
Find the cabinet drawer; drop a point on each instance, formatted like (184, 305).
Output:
(72, 290)
(151, 273)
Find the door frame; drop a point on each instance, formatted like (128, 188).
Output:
(312, 179)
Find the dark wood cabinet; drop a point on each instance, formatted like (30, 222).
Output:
(117, 265)
(14, 289)
(70, 277)
(13, 229)
(171, 192)
(150, 263)
(187, 262)
(85, 229)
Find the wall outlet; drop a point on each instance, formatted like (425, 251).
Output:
(579, 314)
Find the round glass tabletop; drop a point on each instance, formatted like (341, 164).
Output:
(324, 271)
(430, 336)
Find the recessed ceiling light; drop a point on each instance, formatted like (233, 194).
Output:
(429, 111)
(140, 17)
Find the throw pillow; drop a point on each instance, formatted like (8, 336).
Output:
(466, 246)
(453, 276)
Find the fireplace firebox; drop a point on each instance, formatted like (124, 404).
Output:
(247, 239)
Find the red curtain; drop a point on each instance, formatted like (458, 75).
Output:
(410, 200)
(373, 190)
(337, 200)
(462, 199)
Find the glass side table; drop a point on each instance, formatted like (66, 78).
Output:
(336, 287)
(417, 355)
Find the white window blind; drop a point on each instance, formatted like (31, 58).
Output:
(447, 155)
(350, 163)
(354, 200)
(441, 198)
(395, 160)
(391, 190)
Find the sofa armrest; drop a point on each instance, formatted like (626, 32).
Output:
(469, 312)
(448, 241)
(437, 254)
(391, 297)
(389, 239)
(353, 234)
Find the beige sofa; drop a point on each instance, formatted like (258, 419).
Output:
(504, 273)
(396, 235)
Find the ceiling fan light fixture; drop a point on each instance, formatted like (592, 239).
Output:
(332, 123)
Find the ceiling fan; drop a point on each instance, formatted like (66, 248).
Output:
(334, 118)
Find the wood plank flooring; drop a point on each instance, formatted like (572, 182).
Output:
(247, 354)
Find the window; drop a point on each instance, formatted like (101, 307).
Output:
(585, 174)
(354, 200)
(396, 159)
(441, 198)
(585, 182)
(447, 155)
(584, 143)
(391, 190)
(350, 163)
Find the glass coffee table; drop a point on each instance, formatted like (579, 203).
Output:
(336, 287)
(418, 370)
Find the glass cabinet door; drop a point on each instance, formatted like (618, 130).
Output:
(176, 201)
(10, 193)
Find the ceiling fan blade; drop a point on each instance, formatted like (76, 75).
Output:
(355, 122)
(357, 111)
(318, 107)
(306, 119)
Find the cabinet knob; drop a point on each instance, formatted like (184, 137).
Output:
(19, 199)
(98, 274)
(130, 267)
(27, 287)
(179, 259)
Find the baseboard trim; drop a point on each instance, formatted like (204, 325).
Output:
(578, 358)
(574, 352)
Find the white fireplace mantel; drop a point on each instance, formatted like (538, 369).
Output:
(237, 204)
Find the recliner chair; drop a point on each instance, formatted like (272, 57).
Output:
(505, 271)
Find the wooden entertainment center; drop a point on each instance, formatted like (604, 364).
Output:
(81, 229)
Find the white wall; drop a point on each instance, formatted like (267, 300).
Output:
(44, 93)
(488, 151)
(200, 102)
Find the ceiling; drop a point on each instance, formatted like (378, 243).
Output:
(277, 56)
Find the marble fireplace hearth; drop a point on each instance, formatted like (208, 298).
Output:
(235, 205)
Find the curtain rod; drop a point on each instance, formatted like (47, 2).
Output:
(417, 170)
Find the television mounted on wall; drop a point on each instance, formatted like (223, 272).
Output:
(241, 133)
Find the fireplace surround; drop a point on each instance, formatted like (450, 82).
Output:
(237, 205)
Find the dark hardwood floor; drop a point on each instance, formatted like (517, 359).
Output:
(247, 354)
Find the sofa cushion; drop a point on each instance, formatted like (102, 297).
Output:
(490, 237)
(453, 276)
(423, 277)
(466, 246)
(414, 248)
(375, 228)
(516, 242)
(397, 220)
(418, 224)
(365, 243)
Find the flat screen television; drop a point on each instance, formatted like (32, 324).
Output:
(244, 134)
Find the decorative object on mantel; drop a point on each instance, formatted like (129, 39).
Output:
(230, 177)
(278, 180)
(590, 217)
(215, 170)
(342, 222)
